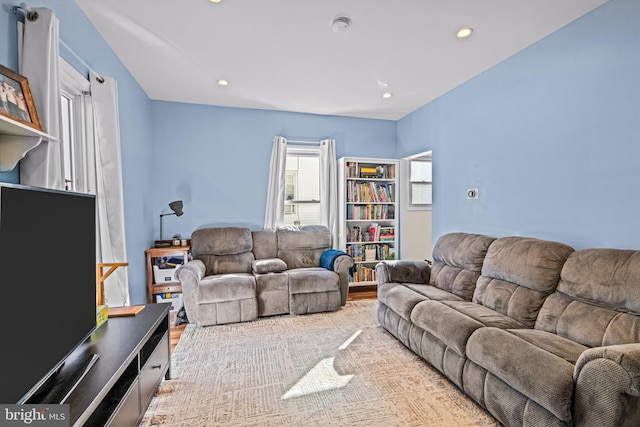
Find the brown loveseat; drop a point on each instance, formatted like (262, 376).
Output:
(237, 274)
(534, 331)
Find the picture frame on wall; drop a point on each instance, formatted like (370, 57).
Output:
(16, 101)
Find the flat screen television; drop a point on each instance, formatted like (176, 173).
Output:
(48, 284)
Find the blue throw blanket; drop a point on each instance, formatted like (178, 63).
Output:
(329, 256)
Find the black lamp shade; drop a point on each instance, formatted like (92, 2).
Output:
(176, 207)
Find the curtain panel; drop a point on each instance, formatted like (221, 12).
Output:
(109, 187)
(38, 41)
(274, 213)
(329, 188)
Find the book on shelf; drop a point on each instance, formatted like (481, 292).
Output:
(387, 234)
(370, 192)
(373, 212)
(363, 273)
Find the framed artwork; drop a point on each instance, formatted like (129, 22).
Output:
(16, 101)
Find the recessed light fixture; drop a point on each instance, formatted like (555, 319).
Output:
(223, 82)
(387, 95)
(215, 1)
(464, 32)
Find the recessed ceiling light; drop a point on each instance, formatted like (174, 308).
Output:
(215, 1)
(464, 32)
(223, 82)
(387, 95)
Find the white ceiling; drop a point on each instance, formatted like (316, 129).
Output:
(283, 54)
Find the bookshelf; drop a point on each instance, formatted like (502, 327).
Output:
(153, 256)
(368, 231)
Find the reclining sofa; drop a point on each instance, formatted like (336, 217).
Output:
(237, 275)
(537, 333)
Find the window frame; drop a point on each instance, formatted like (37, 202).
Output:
(410, 183)
(301, 151)
(80, 142)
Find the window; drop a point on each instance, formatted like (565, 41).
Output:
(290, 190)
(420, 183)
(76, 130)
(302, 186)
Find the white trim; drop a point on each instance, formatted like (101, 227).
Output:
(425, 155)
(71, 81)
(77, 89)
(303, 151)
(405, 189)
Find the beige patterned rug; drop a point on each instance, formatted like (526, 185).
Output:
(329, 369)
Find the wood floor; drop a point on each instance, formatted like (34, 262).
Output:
(365, 292)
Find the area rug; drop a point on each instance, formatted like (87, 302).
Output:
(330, 369)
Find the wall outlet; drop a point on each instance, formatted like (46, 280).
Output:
(472, 193)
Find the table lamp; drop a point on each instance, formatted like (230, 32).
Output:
(176, 207)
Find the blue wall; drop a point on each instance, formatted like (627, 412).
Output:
(216, 159)
(81, 38)
(551, 137)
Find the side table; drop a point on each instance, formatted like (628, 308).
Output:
(168, 287)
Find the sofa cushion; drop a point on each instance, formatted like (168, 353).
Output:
(554, 344)
(457, 262)
(302, 247)
(311, 280)
(453, 322)
(542, 376)
(400, 299)
(606, 276)
(227, 264)
(313, 290)
(265, 244)
(223, 249)
(433, 293)
(269, 265)
(518, 274)
(597, 300)
(226, 287)
(221, 241)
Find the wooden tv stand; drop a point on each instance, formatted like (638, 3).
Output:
(134, 355)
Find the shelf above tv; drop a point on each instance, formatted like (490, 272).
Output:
(16, 140)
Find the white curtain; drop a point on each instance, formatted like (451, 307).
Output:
(109, 188)
(38, 40)
(274, 213)
(329, 187)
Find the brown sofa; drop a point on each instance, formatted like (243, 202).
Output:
(237, 275)
(534, 331)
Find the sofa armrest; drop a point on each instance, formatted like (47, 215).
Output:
(192, 270)
(403, 271)
(189, 275)
(268, 265)
(342, 266)
(607, 381)
(341, 263)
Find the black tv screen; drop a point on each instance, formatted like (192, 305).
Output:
(48, 283)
